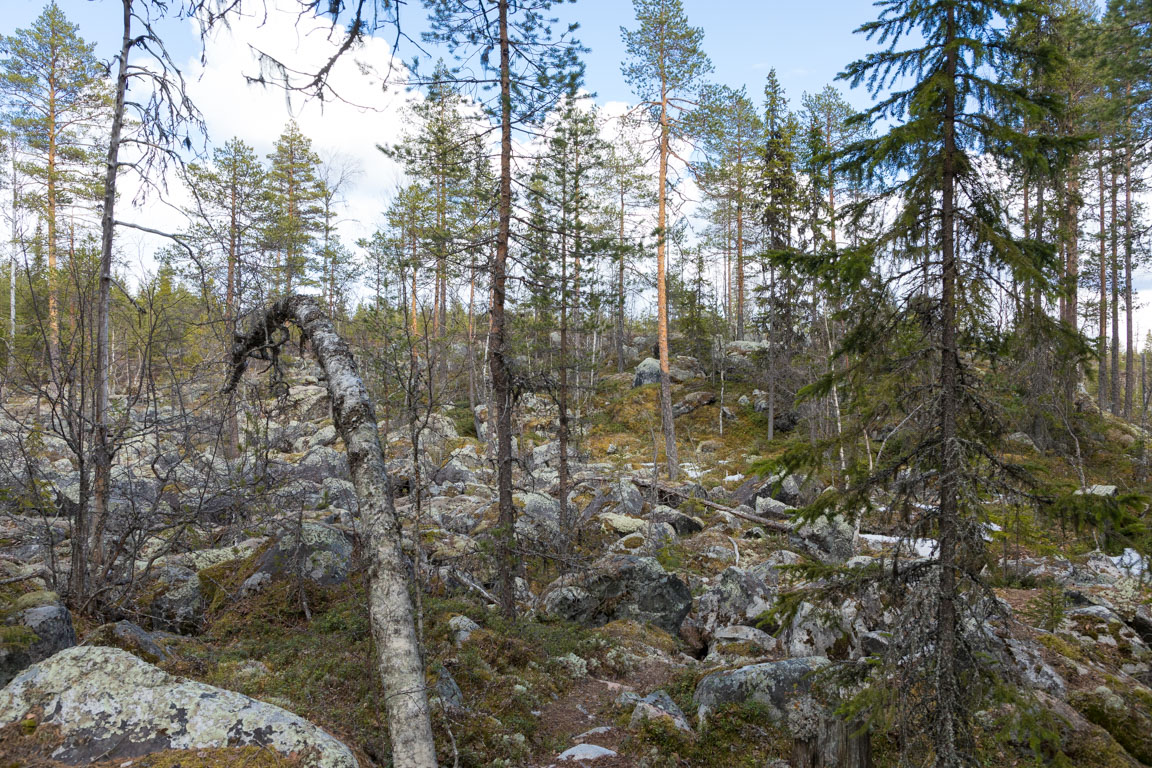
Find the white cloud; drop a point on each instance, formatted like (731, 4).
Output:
(349, 128)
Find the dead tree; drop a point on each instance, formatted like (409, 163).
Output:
(390, 604)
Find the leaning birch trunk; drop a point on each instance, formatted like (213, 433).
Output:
(390, 604)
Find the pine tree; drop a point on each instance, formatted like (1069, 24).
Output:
(441, 152)
(530, 69)
(731, 137)
(297, 214)
(229, 216)
(631, 191)
(57, 101)
(567, 179)
(666, 67)
(777, 199)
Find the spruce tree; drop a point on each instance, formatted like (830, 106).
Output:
(919, 335)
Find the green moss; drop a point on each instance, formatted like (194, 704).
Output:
(1127, 724)
(739, 736)
(17, 638)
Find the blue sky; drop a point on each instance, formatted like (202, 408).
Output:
(807, 43)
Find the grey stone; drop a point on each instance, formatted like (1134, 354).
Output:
(447, 691)
(463, 627)
(132, 638)
(317, 552)
(659, 706)
(629, 500)
(832, 539)
(339, 493)
(176, 604)
(585, 753)
(685, 525)
(621, 587)
(647, 372)
(539, 520)
(774, 684)
(107, 704)
(766, 506)
(47, 629)
(692, 401)
(740, 596)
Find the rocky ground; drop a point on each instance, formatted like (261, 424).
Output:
(655, 643)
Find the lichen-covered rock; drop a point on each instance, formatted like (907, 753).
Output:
(308, 402)
(175, 601)
(692, 401)
(104, 703)
(539, 519)
(323, 462)
(621, 524)
(629, 500)
(739, 597)
(129, 637)
(621, 587)
(831, 539)
(685, 525)
(659, 706)
(647, 372)
(39, 627)
(774, 684)
(317, 552)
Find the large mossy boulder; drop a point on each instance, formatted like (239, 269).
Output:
(314, 551)
(174, 601)
(777, 685)
(621, 587)
(36, 627)
(106, 704)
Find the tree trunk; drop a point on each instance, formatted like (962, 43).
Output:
(232, 424)
(102, 449)
(666, 415)
(1102, 342)
(1129, 374)
(947, 689)
(620, 290)
(53, 298)
(390, 604)
(1116, 402)
(501, 376)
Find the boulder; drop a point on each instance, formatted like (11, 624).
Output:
(1021, 441)
(106, 704)
(339, 493)
(659, 706)
(739, 597)
(775, 684)
(539, 518)
(831, 539)
(685, 525)
(317, 552)
(39, 627)
(323, 462)
(647, 372)
(692, 401)
(129, 637)
(584, 753)
(621, 587)
(174, 602)
(621, 524)
(629, 500)
(308, 402)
